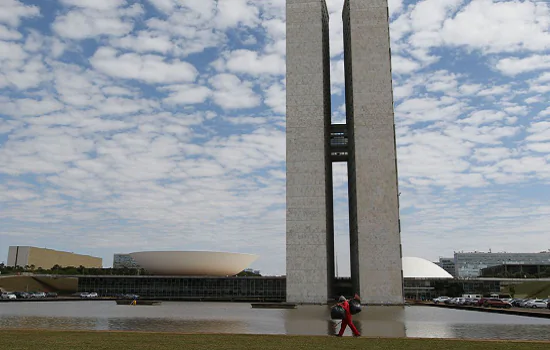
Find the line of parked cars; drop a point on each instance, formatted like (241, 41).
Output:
(531, 303)
(27, 295)
(495, 302)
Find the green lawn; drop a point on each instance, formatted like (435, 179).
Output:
(532, 289)
(61, 340)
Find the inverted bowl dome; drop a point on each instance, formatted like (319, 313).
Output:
(195, 263)
(421, 268)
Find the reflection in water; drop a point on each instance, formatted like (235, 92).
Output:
(375, 321)
(427, 322)
(382, 321)
(124, 324)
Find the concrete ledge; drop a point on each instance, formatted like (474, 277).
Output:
(540, 313)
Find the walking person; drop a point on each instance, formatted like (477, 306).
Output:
(347, 320)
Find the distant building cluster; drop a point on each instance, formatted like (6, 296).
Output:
(471, 264)
(47, 258)
(121, 261)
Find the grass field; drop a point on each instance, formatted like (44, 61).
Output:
(65, 285)
(70, 340)
(532, 289)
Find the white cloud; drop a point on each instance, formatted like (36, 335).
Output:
(402, 65)
(233, 93)
(26, 107)
(96, 18)
(187, 94)
(419, 110)
(250, 62)
(534, 99)
(12, 11)
(276, 98)
(395, 6)
(232, 13)
(484, 117)
(496, 26)
(539, 131)
(544, 77)
(149, 68)
(190, 27)
(101, 5)
(491, 154)
(144, 41)
(517, 110)
(513, 66)
(76, 25)
(495, 90)
(9, 34)
(165, 6)
(469, 89)
(545, 112)
(541, 147)
(13, 52)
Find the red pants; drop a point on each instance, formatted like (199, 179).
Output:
(348, 322)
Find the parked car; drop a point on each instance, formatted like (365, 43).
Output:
(130, 296)
(441, 299)
(537, 303)
(524, 302)
(87, 295)
(38, 295)
(51, 295)
(22, 295)
(8, 296)
(460, 301)
(494, 302)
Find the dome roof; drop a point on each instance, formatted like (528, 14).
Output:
(422, 268)
(193, 263)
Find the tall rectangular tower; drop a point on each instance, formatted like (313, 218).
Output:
(375, 237)
(366, 142)
(309, 223)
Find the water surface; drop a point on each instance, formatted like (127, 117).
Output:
(195, 317)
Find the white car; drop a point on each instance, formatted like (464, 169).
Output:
(537, 304)
(86, 295)
(441, 299)
(8, 296)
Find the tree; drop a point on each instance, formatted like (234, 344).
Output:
(512, 290)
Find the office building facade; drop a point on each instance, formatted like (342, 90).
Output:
(447, 264)
(366, 142)
(121, 261)
(470, 264)
(47, 258)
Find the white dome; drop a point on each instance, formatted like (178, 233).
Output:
(422, 268)
(194, 263)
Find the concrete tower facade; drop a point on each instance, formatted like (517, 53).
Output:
(310, 239)
(366, 142)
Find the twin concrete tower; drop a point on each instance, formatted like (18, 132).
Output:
(366, 142)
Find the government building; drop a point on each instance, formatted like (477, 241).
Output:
(48, 258)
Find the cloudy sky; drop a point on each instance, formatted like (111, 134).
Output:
(131, 125)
